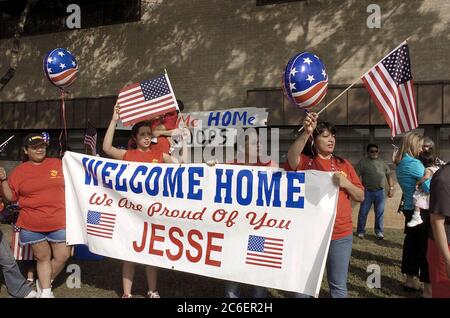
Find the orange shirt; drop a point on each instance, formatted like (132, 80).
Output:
(150, 156)
(39, 189)
(343, 224)
(162, 146)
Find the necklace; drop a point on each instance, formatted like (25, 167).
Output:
(331, 161)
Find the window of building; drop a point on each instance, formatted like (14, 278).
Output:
(49, 16)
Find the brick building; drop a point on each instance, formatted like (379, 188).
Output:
(223, 54)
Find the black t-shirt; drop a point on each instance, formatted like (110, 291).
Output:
(440, 196)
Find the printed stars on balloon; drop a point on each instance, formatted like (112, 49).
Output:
(310, 78)
(307, 61)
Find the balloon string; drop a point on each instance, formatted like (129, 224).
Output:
(63, 111)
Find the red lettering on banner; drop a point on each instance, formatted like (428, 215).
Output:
(144, 238)
(263, 221)
(98, 200)
(177, 242)
(124, 203)
(154, 238)
(195, 246)
(210, 247)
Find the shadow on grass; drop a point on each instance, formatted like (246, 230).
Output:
(371, 257)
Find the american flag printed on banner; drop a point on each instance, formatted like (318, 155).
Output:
(20, 252)
(264, 251)
(146, 100)
(100, 224)
(391, 86)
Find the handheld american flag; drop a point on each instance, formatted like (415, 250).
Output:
(264, 251)
(391, 86)
(90, 139)
(146, 100)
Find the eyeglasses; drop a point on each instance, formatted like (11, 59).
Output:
(374, 151)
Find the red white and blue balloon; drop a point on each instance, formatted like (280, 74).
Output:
(60, 67)
(305, 80)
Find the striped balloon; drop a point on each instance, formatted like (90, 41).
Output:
(305, 80)
(60, 67)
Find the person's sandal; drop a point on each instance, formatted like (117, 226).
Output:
(153, 294)
(127, 296)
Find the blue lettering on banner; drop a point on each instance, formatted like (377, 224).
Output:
(90, 174)
(171, 182)
(138, 188)
(106, 173)
(215, 118)
(155, 190)
(231, 186)
(194, 183)
(291, 190)
(263, 185)
(240, 197)
(223, 185)
(228, 118)
(121, 187)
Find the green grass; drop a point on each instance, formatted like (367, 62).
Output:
(103, 278)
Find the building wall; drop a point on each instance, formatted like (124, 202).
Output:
(217, 50)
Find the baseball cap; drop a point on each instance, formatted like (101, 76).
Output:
(33, 140)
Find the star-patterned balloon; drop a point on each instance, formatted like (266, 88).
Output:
(60, 67)
(305, 80)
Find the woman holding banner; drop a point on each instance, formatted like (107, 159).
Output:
(141, 134)
(38, 186)
(320, 157)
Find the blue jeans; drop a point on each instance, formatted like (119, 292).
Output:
(30, 237)
(377, 198)
(14, 280)
(338, 261)
(232, 290)
(337, 266)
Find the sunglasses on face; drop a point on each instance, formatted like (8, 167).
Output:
(373, 151)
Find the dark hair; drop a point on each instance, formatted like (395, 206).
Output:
(321, 127)
(134, 132)
(370, 146)
(180, 105)
(428, 158)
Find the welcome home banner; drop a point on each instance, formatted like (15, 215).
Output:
(229, 118)
(255, 225)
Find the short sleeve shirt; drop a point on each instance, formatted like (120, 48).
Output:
(440, 196)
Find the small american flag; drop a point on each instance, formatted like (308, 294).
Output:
(146, 100)
(90, 139)
(20, 252)
(264, 251)
(100, 224)
(391, 86)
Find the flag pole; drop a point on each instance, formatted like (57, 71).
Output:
(6, 141)
(354, 83)
(182, 117)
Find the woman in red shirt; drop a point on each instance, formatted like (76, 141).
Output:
(38, 186)
(350, 187)
(142, 135)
